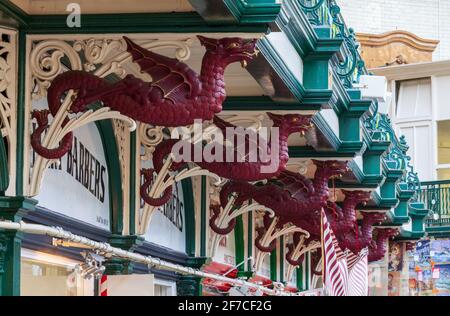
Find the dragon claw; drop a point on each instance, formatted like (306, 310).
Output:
(147, 173)
(41, 116)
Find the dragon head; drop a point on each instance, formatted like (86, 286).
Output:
(359, 197)
(331, 168)
(375, 218)
(291, 123)
(231, 49)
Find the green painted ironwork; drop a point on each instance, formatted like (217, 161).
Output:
(348, 65)
(316, 10)
(435, 196)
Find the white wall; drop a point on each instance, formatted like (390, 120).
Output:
(413, 116)
(426, 18)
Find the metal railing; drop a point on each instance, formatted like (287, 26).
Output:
(436, 197)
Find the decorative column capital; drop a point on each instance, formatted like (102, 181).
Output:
(118, 266)
(14, 208)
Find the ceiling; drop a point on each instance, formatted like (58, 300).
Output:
(36, 7)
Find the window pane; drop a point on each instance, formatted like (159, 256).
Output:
(443, 142)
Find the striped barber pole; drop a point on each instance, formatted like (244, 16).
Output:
(104, 285)
(335, 262)
(358, 281)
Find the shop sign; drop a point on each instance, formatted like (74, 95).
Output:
(167, 227)
(77, 185)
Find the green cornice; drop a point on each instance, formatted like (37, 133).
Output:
(352, 146)
(406, 235)
(397, 220)
(253, 11)
(391, 173)
(403, 192)
(359, 174)
(297, 28)
(176, 22)
(310, 152)
(294, 23)
(263, 103)
(323, 126)
(374, 146)
(310, 97)
(417, 211)
(278, 64)
(13, 208)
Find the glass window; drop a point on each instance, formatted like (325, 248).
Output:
(47, 275)
(443, 142)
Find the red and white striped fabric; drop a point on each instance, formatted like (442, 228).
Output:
(335, 262)
(358, 278)
(104, 285)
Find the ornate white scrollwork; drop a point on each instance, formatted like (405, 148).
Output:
(271, 234)
(299, 250)
(100, 56)
(226, 216)
(150, 137)
(8, 98)
(164, 180)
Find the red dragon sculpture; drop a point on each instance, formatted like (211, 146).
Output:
(239, 170)
(175, 97)
(378, 249)
(343, 220)
(357, 242)
(291, 248)
(290, 195)
(267, 220)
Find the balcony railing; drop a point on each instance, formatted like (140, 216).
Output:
(436, 197)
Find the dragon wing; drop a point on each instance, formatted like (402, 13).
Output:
(176, 81)
(253, 142)
(297, 185)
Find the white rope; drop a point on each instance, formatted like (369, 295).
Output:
(105, 248)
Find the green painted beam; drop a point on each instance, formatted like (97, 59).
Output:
(4, 170)
(253, 11)
(174, 22)
(189, 215)
(313, 102)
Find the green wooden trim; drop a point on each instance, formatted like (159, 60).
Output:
(273, 265)
(203, 215)
(307, 272)
(14, 12)
(239, 243)
(133, 174)
(278, 64)
(253, 11)
(111, 151)
(21, 117)
(326, 130)
(310, 152)
(189, 215)
(4, 170)
(300, 284)
(312, 102)
(250, 240)
(281, 259)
